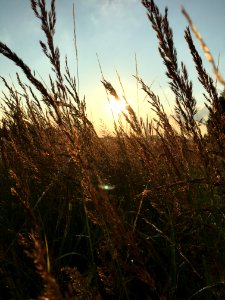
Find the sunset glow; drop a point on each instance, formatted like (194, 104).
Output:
(116, 106)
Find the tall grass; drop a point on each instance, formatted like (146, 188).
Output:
(138, 215)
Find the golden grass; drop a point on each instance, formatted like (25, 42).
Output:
(157, 233)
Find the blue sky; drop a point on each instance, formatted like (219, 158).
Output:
(116, 30)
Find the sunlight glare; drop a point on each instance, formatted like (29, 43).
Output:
(117, 106)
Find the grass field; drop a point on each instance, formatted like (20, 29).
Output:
(135, 215)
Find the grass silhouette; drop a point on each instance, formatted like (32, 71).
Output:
(138, 215)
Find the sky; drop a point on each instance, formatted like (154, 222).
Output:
(116, 30)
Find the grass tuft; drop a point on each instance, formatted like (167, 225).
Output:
(134, 215)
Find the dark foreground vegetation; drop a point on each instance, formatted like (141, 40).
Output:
(140, 215)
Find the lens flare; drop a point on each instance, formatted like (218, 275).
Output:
(106, 187)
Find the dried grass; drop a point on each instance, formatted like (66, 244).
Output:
(156, 233)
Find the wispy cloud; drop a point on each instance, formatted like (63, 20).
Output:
(117, 10)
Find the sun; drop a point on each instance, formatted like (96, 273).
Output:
(117, 106)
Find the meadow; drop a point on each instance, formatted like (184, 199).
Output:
(138, 214)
